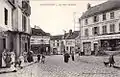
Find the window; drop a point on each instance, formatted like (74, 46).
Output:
(119, 26)
(23, 23)
(96, 18)
(58, 44)
(104, 29)
(111, 15)
(104, 16)
(6, 16)
(95, 30)
(53, 44)
(66, 48)
(112, 27)
(86, 32)
(4, 43)
(86, 21)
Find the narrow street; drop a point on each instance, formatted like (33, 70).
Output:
(85, 66)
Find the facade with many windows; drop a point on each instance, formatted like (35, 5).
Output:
(40, 41)
(56, 44)
(100, 28)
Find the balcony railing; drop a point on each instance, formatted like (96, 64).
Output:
(26, 8)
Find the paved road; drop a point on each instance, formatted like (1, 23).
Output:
(85, 66)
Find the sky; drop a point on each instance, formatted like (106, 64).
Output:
(57, 16)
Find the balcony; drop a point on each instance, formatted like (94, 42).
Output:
(26, 8)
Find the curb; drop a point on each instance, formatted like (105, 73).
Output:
(3, 72)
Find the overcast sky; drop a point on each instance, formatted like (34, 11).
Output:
(56, 16)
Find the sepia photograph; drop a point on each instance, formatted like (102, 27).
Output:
(59, 38)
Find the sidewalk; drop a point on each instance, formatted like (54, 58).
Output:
(9, 70)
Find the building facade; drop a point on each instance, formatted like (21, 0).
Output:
(40, 41)
(56, 44)
(15, 26)
(100, 28)
(70, 41)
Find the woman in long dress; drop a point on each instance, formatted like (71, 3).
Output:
(3, 58)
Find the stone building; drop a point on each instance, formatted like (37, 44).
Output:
(14, 26)
(70, 41)
(40, 41)
(100, 28)
(56, 44)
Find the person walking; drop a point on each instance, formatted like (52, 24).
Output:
(43, 59)
(38, 57)
(111, 60)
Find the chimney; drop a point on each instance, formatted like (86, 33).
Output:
(88, 6)
(70, 31)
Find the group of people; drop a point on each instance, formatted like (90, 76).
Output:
(41, 57)
(67, 56)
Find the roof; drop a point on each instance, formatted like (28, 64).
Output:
(39, 32)
(57, 37)
(73, 35)
(101, 8)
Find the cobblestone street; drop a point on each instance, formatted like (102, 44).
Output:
(84, 66)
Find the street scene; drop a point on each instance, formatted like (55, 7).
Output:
(59, 38)
(85, 66)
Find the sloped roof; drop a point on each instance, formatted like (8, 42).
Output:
(39, 32)
(73, 35)
(101, 8)
(58, 37)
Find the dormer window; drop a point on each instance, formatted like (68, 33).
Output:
(111, 15)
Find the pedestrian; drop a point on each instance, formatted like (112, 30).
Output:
(66, 57)
(13, 61)
(25, 56)
(111, 60)
(38, 57)
(72, 55)
(43, 59)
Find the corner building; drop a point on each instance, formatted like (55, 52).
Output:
(100, 28)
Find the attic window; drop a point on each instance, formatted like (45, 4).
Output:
(111, 15)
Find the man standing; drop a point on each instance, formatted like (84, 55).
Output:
(66, 57)
(72, 55)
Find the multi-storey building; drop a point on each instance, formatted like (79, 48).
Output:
(70, 41)
(100, 28)
(14, 26)
(40, 41)
(56, 44)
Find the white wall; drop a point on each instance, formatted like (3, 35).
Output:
(4, 4)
